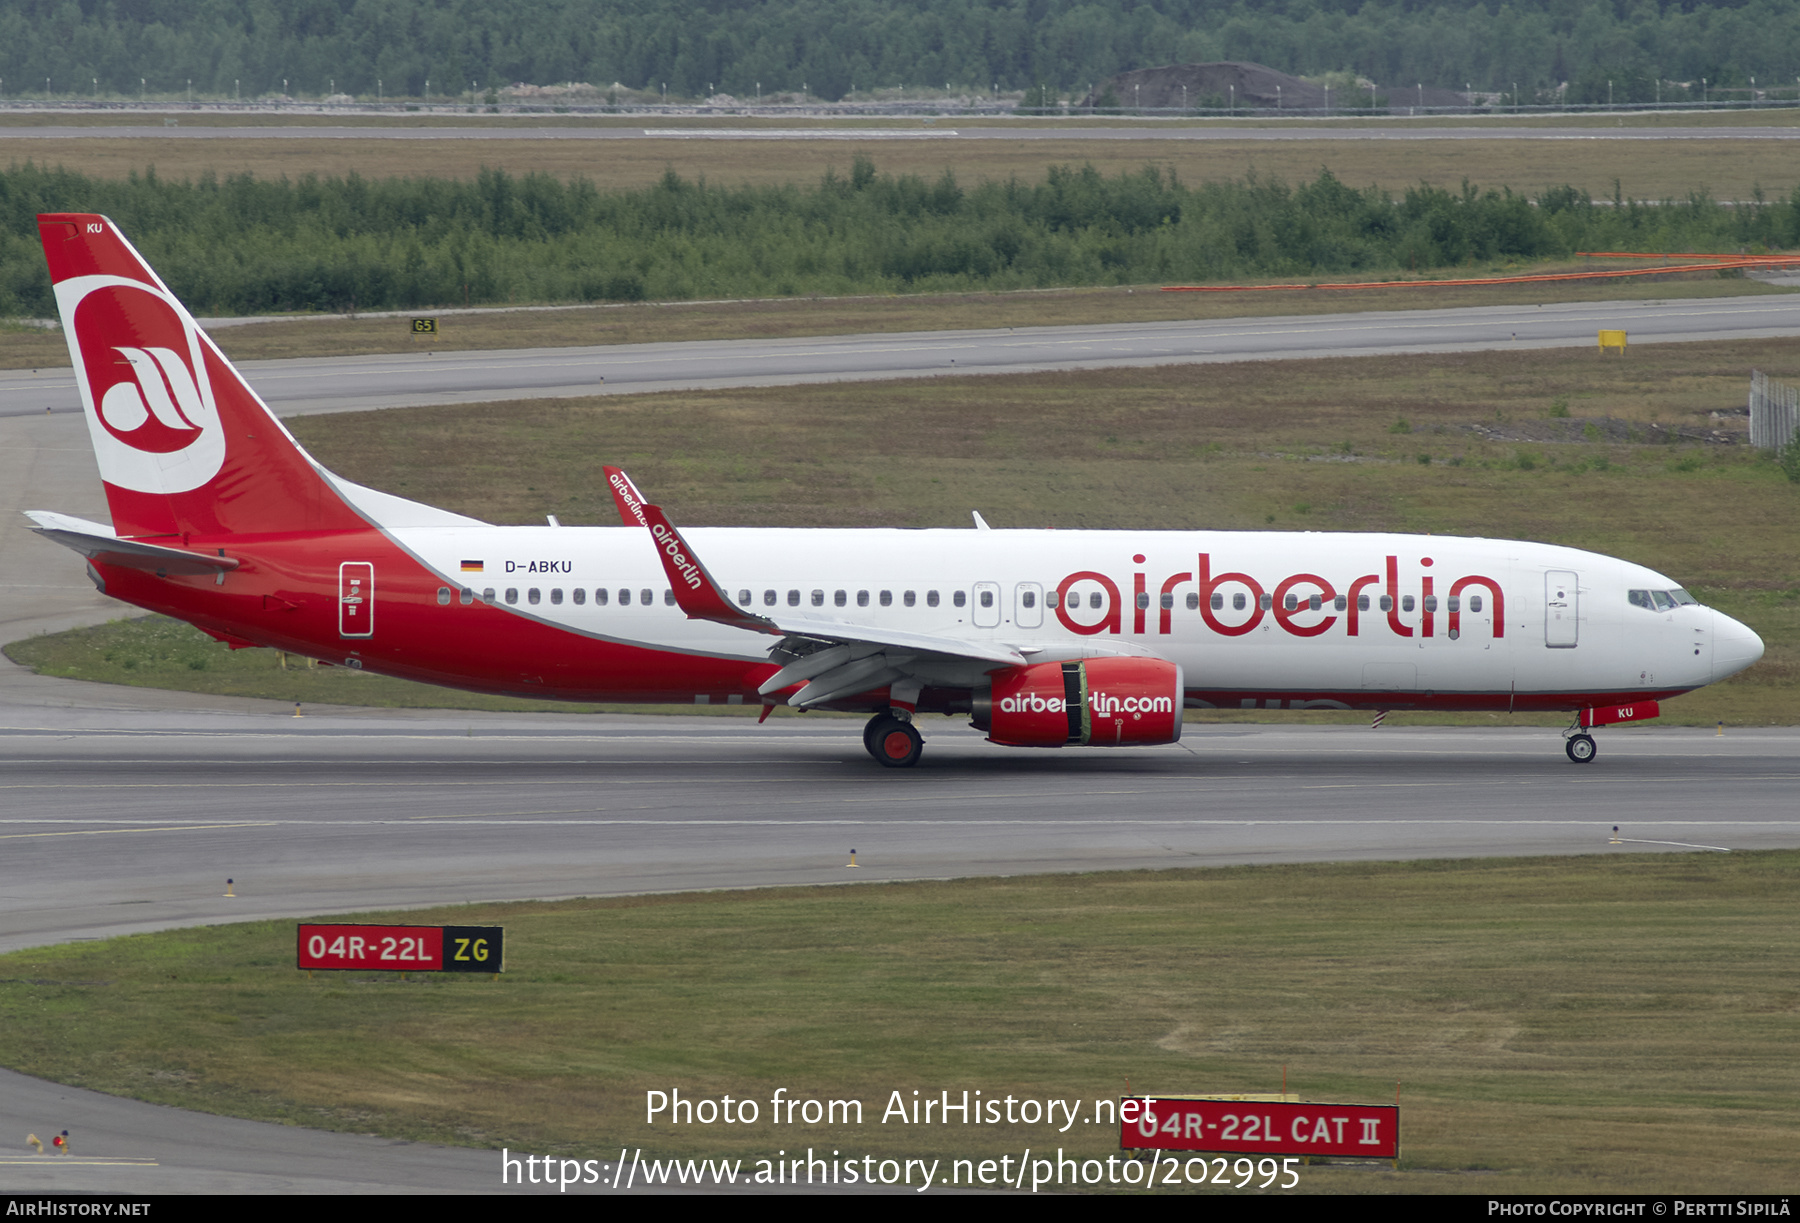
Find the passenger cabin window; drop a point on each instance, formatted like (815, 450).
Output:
(862, 598)
(600, 596)
(1430, 603)
(1475, 603)
(1028, 598)
(960, 598)
(1266, 602)
(909, 598)
(555, 596)
(487, 596)
(768, 598)
(443, 596)
(887, 599)
(931, 598)
(744, 598)
(1193, 602)
(579, 595)
(668, 597)
(818, 598)
(987, 598)
(1387, 602)
(1340, 603)
(512, 594)
(1406, 603)
(1168, 601)
(1362, 602)
(1239, 601)
(1052, 599)
(793, 598)
(532, 596)
(1455, 603)
(1096, 600)
(841, 599)
(465, 596)
(646, 597)
(624, 598)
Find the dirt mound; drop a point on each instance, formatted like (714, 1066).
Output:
(1245, 86)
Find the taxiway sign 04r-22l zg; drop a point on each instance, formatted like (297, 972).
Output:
(1045, 639)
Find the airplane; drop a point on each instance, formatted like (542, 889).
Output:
(1040, 638)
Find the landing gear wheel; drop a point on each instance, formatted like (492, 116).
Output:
(894, 743)
(1581, 748)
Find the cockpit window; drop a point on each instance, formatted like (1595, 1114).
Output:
(1661, 600)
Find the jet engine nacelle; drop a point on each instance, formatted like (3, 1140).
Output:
(1099, 702)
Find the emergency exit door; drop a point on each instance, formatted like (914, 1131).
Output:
(356, 599)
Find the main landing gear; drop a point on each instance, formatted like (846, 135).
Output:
(894, 743)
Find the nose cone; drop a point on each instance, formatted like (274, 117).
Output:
(1735, 646)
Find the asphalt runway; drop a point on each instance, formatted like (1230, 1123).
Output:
(119, 820)
(125, 810)
(296, 387)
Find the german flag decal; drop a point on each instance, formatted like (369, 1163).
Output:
(471, 566)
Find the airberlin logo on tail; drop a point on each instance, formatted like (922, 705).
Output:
(156, 409)
(145, 385)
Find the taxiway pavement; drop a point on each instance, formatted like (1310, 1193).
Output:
(342, 384)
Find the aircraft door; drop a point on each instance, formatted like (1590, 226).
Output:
(356, 599)
(987, 605)
(1562, 609)
(1028, 605)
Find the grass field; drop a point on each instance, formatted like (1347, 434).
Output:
(1728, 169)
(1603, 1024)
(1640, 457)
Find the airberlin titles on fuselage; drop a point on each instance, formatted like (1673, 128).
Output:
(1233, 603)
(1230, 603)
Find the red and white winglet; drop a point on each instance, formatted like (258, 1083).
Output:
(696, 592)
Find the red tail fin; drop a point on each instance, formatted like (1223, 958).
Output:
(185, 446)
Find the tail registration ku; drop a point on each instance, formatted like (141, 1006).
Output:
(1042, 639)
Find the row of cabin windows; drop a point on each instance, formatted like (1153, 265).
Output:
(841, 598)
(1315, 603)
(958, 598)
(578, 596)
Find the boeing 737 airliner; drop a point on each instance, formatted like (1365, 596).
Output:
(1043, 639)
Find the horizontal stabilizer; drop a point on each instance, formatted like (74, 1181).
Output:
(98, 543)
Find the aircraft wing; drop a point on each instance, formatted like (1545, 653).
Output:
(834, 658)
(98, 542)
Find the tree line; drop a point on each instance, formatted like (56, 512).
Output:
(243, 245)
(830, 48)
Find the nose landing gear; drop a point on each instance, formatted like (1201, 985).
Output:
(1581, 748)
